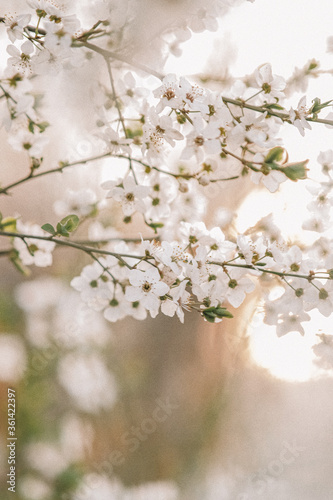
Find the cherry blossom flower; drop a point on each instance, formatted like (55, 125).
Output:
(81, 203)
(194, 96)
(325, 158)
(118, 307)
(92, 285)
(33, 144)
(169, 93)
(271, 179)
(129, 92)
(298, 116)
(115, 143)
(316, 223)
(15, 26)
(180, 300)
(162, 192)
(193, 233)
(322, 298)
(146, 287)
(130, 195)
(272, 86)
(237, 287)
(204, 139)
(33, 251)
(21, 58)
(324, 351)
(156, 131)
(291, 322)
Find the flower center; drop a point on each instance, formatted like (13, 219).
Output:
(266, 88)
(323, 294)
(199, 141)
(232, 284)
(130, 197)
(169, 94)
(146, 287)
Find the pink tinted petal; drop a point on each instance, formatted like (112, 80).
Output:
(133, 293)
(236, 298)
(141, 191)
(213, 146)
(13, 51)
(150, 302)
(129, 184)
(27, 47)
(160, 288)
(136, 277)
(266, 73)
(117, 194)
(129, 208)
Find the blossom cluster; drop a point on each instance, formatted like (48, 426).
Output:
(175, 140)
(206, 272)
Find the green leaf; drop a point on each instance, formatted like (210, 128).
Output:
(275, 154)
(296, 171)
(31, 126)
(61, 230)
(155, 225)
(318, 105)
(222, 312)
(211, 313)
(49, 228)
(70, 222)
(313, 64)
(42, 126)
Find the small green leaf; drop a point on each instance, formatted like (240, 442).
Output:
(49, 228)
(31, 126)
(61, 230)
(211, 313)
(42, 126)
(318, 105)
(70, 222)
(275, 154)
(313, 64)
(296, 171)
(155, 225)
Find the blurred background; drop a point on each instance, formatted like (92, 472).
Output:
(156, 410)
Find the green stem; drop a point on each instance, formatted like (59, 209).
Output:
(262, 109)
(72, 244)
(254, 268)
(53, 170)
